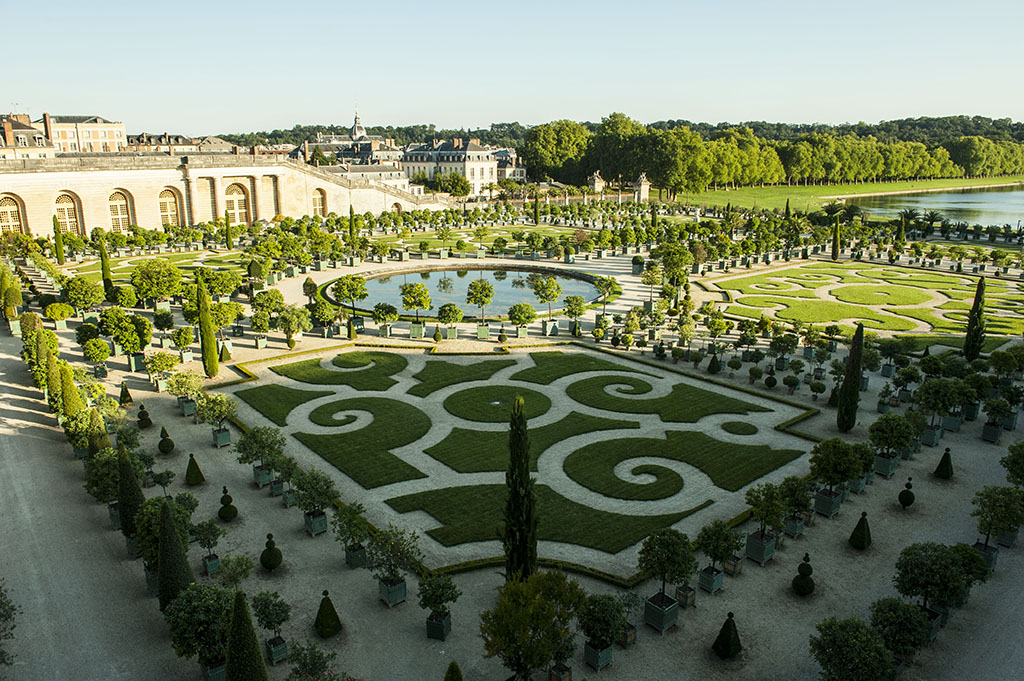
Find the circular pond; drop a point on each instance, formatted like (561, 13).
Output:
(449, 286)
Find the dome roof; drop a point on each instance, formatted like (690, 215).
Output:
(357, 131)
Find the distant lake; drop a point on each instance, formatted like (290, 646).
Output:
(995, 206)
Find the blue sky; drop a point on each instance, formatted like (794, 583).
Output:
(207, 67)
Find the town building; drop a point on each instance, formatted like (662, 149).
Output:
(83, 133)
(466, 157)
(20, 140)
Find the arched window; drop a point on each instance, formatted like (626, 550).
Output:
(168, 208)
(10, 215)
(119, 214)
(319, 203)
(67, 214)
(237, 205)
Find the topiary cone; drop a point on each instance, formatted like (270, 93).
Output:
(906, 497)
(327, 623)
(271, 557)
(860, 538)
(225, 354)
(803, 583)
(227, 511)
(193, 474)
(727, 645)
(453, 673)
(243, 658)
(944, 471)
(125, 397)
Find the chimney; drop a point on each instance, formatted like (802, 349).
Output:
(305, 150)
(457, 143)
(475, 141)
(48, 125)
(8, 133)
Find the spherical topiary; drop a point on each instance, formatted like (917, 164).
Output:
(771, 381)
(144, 420)
(906, 497)
(193, 474)
(166, 445)
(227, 511)
(327, 623)
(803, 583)
(271, 557)
(944, 471)
(860, 539)
(502, 336)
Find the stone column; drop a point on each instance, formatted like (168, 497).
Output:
(215, 190)
(254, 211)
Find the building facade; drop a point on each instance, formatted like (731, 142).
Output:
(83, 133)
(465, 157)
(115, 191)
(20, 140)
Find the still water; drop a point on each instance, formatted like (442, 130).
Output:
(996, 206)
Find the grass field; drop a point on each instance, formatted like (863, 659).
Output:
(277, 401)
(370, 370)
(739, 428)
(493, 403)
(438, 374)
(551, 366)
(474, 513)
(809, 198)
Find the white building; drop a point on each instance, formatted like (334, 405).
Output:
(468, 158)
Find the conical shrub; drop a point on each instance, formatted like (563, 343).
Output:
(129, 493)
(125, 397)
(860, 538)
(97, 433)
(453, 673)
(437, 333)
(944, 471)
(803, 583)
(327, 623)
(225, 354)
(174, 572)
(271, 557)
(727, 645)
(227, 511)
(244, 659)
(193, 474)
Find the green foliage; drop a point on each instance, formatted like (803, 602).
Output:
(849, 390)
(156, 278)
(416, 297)
(327, 623)
(602, 620)
(890, 434)
(944, 471)
(244, 658)
(309, 661)
(727, 643)
(718, 541)
(803, 583)
(199, 620)
(260, 443)
(932, 572)
(974, 338)
(277, 401)
(999, 510)
(834, 461)
(667, 555)
(436, 590)
(766, 504)
(480, 293)
(350, 527)
(233, 571)
(314, 490)
(860, 538)
(207, 340)
(293, 320)
(175, 573)
(391, 553)
(902, 626)
(850, 650)
(102, 474)
(129, 493)
(519, 537)
(522, 314)
(271, 557)
(227, 511)
(208, 533)
(215, 408)
(1013, 463)
(193, 474)
(453, 673)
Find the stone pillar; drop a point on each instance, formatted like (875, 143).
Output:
(254, 211)
(215, 190)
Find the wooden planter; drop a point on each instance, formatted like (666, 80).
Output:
(483, 332)
(1008, 540)
(733, 566)
(355, 557)
(710, 580)
(114, 513)
(952, 423)
(989, 553)
(992, 432)
(661, 612)
(856, 485)
(931, 436)
(760, 547)
(188, 407)
(391, 594)
(215, 673)
(416, 330)
(276, 488)
(794, 526)
(212, 564)
(439, 626)
(827, 503)
(686, 595)
(221, 437)
(277, 649)
(315, 523)
(886, 465)
(597, 658)
(628, 636)
(262, 476)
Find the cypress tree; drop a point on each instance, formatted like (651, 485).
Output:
(901, 233)
(860, 538)
(244, 659)
(207, 339)
(787, 216)
(944, 471)
(97, 433)
(849, 391)
(453, 673)
(327, 623)
(727, 645)
(129, 493)
(835, 240)
(193, 474)
(351, 229)
(174, 572)
(227, 231)
(73, 404)
(520, 535)
(58, 241)
(108, 278)
(53, 385)
(975, 324)
(536, 209)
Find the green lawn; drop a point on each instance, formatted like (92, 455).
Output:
(493, 403)
(730, 466)
(684, 404)
(880, 295)
(919, 342)
(438, 374)
(474, 513)
(819, 312)
(373, 370)
(364, 454)
(551, 366)
(739, 428)
(276, 401)
(477, 451)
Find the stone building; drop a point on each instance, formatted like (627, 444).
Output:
(466, 157)
(113, 191)
(83, 133)
(20, 140)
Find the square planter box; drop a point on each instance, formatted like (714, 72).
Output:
(188, 407)
(931, 436)
(733, 566)
(794, 526)
(221, 437)
(277, 649)
(211, 564)
(989, 553)
(886, 465)
(952, 423)
(1010, 422)
(1008, 540)
(522, 332)
(550, 327)
(261, 342)
(992, 432)
(276, 488)
(60, 324)
(864, 383)
(661, 612)
(391, 594)
(238, 331)
(760, 548)
(163, 343)
(710, 581)
(438, 629)
(451, 333)
(888, 370)
(288, 498)
(483, 332)
(100, 371)
(626, 639)
(315, 523)
(136, 362)
(355, 557)
(162, 306)
(856, 485)
(827, 503)
(91, 316)
(384, 331)
(598, 659)
(213, 673)
(416, 330)
(185, 356)
(781, 363)
(262, 476)
(115, 515)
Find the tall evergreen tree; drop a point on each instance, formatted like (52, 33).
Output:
(536, 208)
(975, 337)
(835, 240)
(351, 229)
(244, 659)
(849, 391)
(129, 493)
(73, 404)
(108, 278)
(787, 215)
(207, 339)
(53, 385)
(520, 537)
(174, 572)
(58, 241)
(227, 231)
(97, 433)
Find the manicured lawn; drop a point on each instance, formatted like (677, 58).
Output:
(684, 404)
(880, 295)
(739, 428)
(730, 466)
(493, 403)
(820, 312)
(919, 343)
(438, 374)
(364, 454)
(477, 451)
(277, 401)
(372, 370)
(551, 366)
(474, 513)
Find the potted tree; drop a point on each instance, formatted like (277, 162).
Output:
(602, 620)
(183, 337)
(668, 556)
(198, 621)
(159, 367)
(480, 293)
(314, 492)
(450, 314)
(216, 408)
(186, 386)
(163, 321)
(933, 573)
(832, 463)
(208, 534)
(259, 322)
(521, 315)
(766, 506)
(718, 542)
(384, 315)
(390, 553)
(272, 612)
(97, 351)
(847, 647)
(632, 604)
(1000, 511)
(284, 468)
(257, 446)
(795, 494)
(889, 435)
(997, 410)
(352, 531)
(436, 591)
(904, 629)
(935, 396)
(415, 297)
(59, 313)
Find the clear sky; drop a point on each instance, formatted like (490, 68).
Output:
(208, 67)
